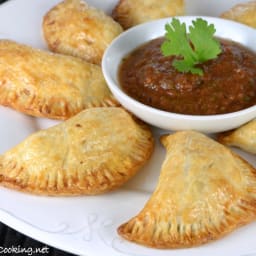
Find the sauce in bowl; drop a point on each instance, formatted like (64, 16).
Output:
(227, 85)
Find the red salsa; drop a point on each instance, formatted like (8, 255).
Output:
(227, 85)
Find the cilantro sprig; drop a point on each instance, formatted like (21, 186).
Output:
(193, 48)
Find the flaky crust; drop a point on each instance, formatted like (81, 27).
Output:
(204, 192)
(243, 13)
(49, 85)
(133, 12)
(243, 137)
(93, 152)
(73, 27)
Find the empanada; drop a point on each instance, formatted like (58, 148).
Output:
(243, 13)
(204, 192)
(243, 137)
(133, 12)
(73, 27)
(93, 152)
(44, 84)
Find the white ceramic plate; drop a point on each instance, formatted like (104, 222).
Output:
(87, 225)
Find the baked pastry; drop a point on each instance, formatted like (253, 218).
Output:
(93, 152)
(243, 13)
(243, 137)
(73, 27)
(204, 192)
(49, 85)
(133, 12)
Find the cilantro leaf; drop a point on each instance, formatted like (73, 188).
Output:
(201, 36)
(194, 48)
(176, 33)
(184, 66)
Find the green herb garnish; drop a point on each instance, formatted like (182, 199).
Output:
(193, 48)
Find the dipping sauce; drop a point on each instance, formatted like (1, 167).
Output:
(227, 85)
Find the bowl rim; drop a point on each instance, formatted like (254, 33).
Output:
(118, 90)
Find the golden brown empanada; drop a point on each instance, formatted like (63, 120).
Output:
(49, 85)
(244, 137)
(204, 192)
(93, 152)
(243, 13)
(133, 12)
(73, 27)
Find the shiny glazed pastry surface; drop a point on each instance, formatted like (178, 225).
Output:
(74, 28)
(243, 137)
(204, 192)
(93, 152)
(133, 12)
(244, 13)
(44, 84)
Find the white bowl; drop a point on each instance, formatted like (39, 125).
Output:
(140, 34)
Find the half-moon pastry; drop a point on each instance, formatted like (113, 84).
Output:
(133, 12)
(44, 84)
(93, 152)
(204, 192)
(243, 13)
(73, 27)
(243, 137)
